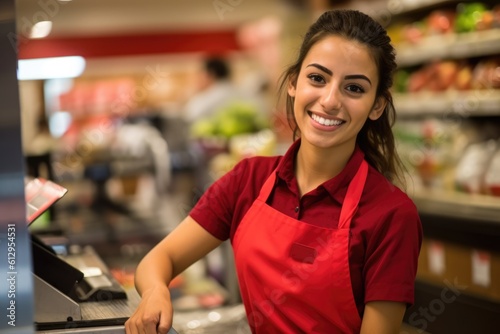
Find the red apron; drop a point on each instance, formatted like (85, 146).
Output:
(294, 277)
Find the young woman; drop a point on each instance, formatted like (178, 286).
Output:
(324, 242)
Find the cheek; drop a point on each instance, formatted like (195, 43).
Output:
(306, 95)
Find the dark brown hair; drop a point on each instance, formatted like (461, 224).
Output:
(375, 138)
(218, 68)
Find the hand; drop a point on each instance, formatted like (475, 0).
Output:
(154, 313)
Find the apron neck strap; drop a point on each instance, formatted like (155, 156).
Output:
(353, 195)
(268, 186)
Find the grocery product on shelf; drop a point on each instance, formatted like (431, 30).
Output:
(429, 151)
(439, 76)
(262, 143)
(472, 16)
(466, 17)
(436, 77)
(486, 74)
(472, 167)
(441, 22)
(450, 155)
(234, 119)
(447, 73)
(492, 175)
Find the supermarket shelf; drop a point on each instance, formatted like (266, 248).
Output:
(403, 7)
(450, 46)
(459, 205)
(449, 103)
(467, 313)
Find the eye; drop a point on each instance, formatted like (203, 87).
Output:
(316, 78)
(355, 89)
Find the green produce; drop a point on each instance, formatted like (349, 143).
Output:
(231, 126)
(401, 80)
(469, 15)
(203, 128)
(234, 119)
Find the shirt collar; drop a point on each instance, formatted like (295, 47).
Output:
(336, 187)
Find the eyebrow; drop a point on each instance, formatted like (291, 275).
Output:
(358, 76)
(348, 77)
(320, 67)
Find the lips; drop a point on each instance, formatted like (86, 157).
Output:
(325, 121)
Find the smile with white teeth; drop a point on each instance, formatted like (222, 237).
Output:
(324, 121)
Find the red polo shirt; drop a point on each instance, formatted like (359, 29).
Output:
(386, 230)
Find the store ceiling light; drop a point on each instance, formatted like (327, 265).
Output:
(50, 68)
(41, 29)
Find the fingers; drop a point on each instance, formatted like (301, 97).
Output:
(149, 325)
(133, 325)
(145, 321)
(164, 324)
(154, 313)
(139, 325)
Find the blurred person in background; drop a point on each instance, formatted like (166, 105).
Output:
(39, 155)
(215, 89)
(324, 239)
(38, 151)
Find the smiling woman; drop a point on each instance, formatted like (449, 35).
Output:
(334, 95)
(323, 240)
(361, 46)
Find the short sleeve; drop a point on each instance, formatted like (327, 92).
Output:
(214, 211)
(392, 256)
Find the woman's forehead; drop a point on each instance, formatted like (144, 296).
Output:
(342, 53)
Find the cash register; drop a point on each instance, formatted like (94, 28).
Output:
(74, 289)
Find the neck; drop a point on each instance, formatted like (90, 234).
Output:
(315, 165)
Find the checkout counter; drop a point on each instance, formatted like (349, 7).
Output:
(76, 293)
(73, 288)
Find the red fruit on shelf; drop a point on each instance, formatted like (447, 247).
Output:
(441, 22)
(413, 33)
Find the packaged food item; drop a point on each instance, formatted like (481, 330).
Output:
(486, 74)
(472, 167)
(492, 176)
(440, 76)
(427, 149)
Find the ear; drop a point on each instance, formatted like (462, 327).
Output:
(378, 108)
(291, 88)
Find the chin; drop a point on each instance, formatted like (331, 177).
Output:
(319, 141)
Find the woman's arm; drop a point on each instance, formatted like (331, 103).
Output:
(186, 244)
(382, 317)
(182, 247)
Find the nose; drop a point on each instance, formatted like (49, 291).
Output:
(331, 98)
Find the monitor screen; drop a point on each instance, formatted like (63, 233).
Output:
(40, 195)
